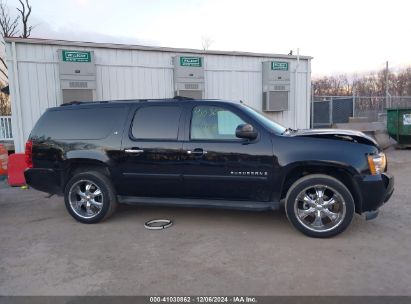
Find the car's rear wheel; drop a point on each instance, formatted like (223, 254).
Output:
(319, 206)
(90, 197)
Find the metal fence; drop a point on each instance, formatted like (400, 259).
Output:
(328, 110)
(5, 128)
(374, 107)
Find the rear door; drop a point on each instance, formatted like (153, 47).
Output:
(219, 165)
(151, 151)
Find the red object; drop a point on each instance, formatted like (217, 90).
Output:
(3, 160)
(17, 165)
(29, 154)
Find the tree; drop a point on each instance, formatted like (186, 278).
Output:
(25, 12)
(206, 42)
(10, 26)
(5, 108)
(7, 24)
(372, 84)
(333, 86)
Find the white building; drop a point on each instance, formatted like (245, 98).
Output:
(43, 73)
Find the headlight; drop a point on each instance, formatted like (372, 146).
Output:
(377, 163)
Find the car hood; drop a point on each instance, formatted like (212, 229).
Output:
(337, 134)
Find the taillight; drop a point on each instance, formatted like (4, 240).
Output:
(29, 154)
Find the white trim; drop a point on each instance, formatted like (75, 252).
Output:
(17, 123)
(169, 67)
(310, 110)
(147, 48)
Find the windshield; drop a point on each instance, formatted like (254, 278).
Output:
(264, 120)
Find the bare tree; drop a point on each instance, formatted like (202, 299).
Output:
(5, 108)
(7, 24)
(332, 86)
(206, 42)
(25, 12)
(1, 69)
(371, 84)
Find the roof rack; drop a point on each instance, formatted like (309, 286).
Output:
(131, 100)
(82, 102)
(71, 103)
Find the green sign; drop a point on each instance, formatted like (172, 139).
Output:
(76, 56)
(279, 65)
(190, 61)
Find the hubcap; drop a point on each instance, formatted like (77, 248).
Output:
(320, 208)
(86, 199)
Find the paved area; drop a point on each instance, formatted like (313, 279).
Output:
(43, 251)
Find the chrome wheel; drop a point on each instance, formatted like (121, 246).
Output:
(320, 208)
(86, 199)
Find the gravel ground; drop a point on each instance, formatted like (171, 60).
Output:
(43, 251)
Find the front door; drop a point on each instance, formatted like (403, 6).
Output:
(151, 152)
(219, 165)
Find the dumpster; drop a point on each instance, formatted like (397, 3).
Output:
(399, 125)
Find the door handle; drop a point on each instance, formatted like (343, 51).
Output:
(196, 152)
(133, 150)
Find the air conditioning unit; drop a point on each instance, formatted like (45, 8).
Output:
(77, 73)
(276, 86)
(275, 101)
(189, 76)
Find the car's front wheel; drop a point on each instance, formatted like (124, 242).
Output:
(90, 197)
(319, 205)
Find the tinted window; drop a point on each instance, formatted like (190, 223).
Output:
(209, 122)
(156, 122)
(264, 120)
(80, 123)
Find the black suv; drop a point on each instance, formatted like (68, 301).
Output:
(204, 153)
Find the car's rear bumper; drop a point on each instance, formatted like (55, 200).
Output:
(375, 190)
(46, 180)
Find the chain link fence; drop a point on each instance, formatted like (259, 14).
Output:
(328, 110)
(374, 107)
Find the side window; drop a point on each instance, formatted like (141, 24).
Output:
(156, 122)
(214, 123)
(75, 123)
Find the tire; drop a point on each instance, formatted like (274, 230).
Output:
(319, 206)
(90, 197)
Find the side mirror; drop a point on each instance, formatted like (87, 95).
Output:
(246, 131)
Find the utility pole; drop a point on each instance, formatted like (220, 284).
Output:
(386, 84)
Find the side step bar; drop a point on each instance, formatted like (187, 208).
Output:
(199, 203)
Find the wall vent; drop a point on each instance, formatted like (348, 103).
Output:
(78, 84)
(191, 86)
(280, 88)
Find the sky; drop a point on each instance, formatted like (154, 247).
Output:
(343, 36)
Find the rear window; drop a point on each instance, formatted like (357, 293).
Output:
(79, 124)
(156, 122)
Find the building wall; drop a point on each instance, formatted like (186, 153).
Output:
(134, 74)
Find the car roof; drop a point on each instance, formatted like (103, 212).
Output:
(134, 101)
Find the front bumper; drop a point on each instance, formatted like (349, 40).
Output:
(46, 180)
(375, 190)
